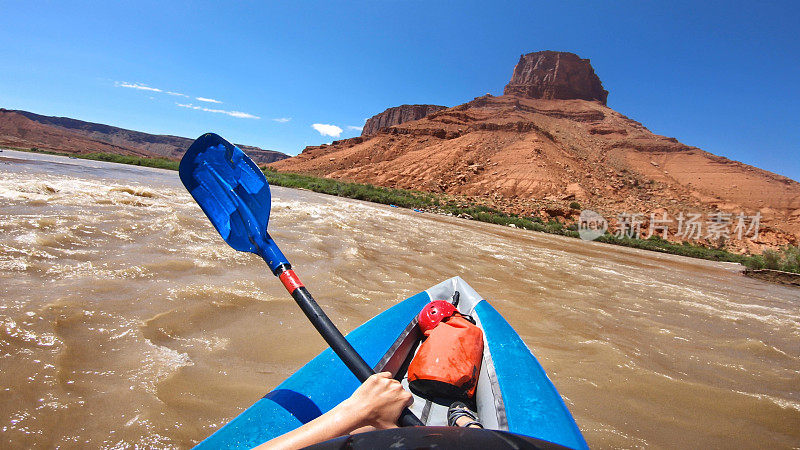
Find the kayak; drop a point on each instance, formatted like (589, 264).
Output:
(513, 393)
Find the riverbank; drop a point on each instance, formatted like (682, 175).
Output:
(774, 276)
(787, 260)
(159, 163)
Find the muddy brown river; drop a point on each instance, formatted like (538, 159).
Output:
(126, 321)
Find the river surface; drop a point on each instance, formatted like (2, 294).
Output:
(126, 321)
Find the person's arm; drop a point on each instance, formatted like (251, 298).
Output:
(377, 403)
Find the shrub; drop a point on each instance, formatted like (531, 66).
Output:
(791, 259)
(554, 226)
(786, 259)
(755, 262)
(161, 163)
(575, 205)
(772, 259)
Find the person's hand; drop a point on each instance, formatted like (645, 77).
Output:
(379, 401)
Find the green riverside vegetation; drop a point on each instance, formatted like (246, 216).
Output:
(161, 163)
(787, 259)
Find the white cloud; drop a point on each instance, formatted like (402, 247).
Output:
(237, 114)
(351, 127)
(144, 87)
(282, 119)
(327, 129)
(141, 87)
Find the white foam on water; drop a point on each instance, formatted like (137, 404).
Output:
(15, 331)
(158, 363)
(781, 402)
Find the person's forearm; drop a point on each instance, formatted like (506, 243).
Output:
(377, 403)
(339, 421)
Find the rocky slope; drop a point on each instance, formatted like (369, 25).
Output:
(397, 115)
(535, 156)
(26, 129)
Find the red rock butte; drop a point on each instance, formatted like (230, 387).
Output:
(397, 115)
(555, 76)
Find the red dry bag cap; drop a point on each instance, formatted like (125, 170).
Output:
(434, 312)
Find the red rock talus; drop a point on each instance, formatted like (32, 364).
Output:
(398, 115)
(557, 76)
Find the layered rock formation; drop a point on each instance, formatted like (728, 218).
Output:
(535, 156)
(397, 115)
(555, 75)
(25, 129)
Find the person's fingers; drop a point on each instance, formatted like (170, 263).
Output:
(409, 399)
(385, 425)
(384, 374)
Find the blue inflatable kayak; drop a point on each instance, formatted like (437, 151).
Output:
(513, 394)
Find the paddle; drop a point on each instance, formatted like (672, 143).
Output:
(235, 196)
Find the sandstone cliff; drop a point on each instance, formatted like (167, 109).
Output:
(398, 115)
(555, 75)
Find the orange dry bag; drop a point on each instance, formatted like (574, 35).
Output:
(448, 361)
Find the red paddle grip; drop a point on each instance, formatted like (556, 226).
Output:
(290, 280)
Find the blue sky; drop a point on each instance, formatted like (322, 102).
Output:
(719, 76)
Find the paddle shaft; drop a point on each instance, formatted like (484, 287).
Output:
(332, 335)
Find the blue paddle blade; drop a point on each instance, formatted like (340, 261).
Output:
(233, 193)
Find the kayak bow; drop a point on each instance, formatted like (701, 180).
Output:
(513, 394)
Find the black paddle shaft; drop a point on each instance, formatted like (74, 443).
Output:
(339, 344)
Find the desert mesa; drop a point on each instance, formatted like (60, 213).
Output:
(551, 142)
